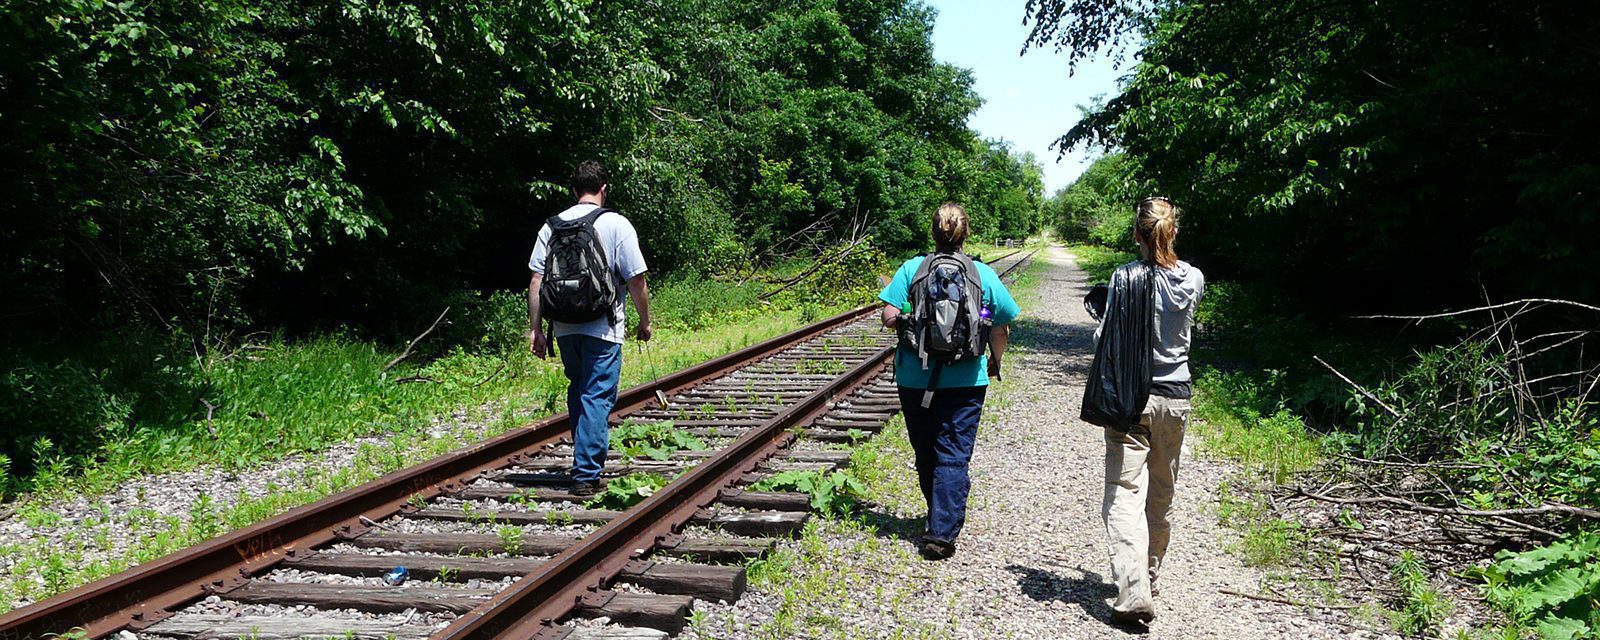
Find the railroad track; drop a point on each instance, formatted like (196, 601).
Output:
(493, 541)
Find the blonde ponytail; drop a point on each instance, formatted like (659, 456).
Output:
(1157, 227)
(950, 227)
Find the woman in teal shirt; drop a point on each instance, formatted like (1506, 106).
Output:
(942, 434)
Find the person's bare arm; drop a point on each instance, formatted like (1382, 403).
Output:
(639, 290)
(999, 337)
(890, 316)
(538, 343)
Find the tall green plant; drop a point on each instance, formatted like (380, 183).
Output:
(1553, 589)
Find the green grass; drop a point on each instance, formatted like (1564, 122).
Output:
(1272, 444)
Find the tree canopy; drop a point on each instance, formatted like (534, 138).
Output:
(1368, 154)
(189, 162)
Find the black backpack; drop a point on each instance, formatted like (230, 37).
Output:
(578, 282)
(946, 323)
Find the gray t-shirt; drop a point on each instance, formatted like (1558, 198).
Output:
(621, 244)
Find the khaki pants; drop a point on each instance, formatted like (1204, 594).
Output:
(1141, 468)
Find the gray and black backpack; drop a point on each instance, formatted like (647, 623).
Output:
(946, 323)
(578, 283)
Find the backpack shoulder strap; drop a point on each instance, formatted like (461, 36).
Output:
(589, 219)
(919, 302)
(922, 269)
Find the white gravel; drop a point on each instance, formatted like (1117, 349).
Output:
(1032, 560)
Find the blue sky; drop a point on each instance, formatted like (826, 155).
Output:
(1029, 100)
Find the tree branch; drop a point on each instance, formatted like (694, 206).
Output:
(415, 340)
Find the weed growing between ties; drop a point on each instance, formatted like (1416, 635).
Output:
(626, 491)
(652, 440)
(837, 493)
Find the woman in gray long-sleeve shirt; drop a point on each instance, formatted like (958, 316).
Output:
(1142, 463)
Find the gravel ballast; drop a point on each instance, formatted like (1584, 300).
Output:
(1032, 559)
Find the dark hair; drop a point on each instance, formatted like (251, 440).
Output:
(589, 177)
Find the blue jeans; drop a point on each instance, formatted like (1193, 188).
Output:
(942, 436)
(594, 369)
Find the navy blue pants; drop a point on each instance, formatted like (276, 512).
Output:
(594, 369)
(942, 436)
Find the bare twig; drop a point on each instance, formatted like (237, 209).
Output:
(1412, 505)
(491, 376)
(821, 262)
(1501, 305)
(1413, 465)
(675, 112)
(415, 340)
(408, 379)
(1286, 601)
(373, 523)
(1357, 387)
(211, 410)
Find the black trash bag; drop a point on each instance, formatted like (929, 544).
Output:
(1119, 380)
(1094, 301)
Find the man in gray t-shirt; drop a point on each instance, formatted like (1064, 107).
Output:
(591, 352)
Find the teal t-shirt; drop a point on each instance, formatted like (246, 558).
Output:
(908, 371)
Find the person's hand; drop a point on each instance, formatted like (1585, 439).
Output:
(994, 367)
(645, 332)
(538, 344)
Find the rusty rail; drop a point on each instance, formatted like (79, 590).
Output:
(145, 594)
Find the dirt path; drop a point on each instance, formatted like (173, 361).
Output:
(1032, 561)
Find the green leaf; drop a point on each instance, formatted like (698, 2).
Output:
(1561, 629)
(1562, 586)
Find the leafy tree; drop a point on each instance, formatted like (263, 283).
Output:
(186, 170)
(1098, 206)
(1337, 146)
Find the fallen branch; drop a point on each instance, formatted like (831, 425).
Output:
(1491, 307)
(821, 262)
(415, 379)
(211, 411)
(1412, 505)
(1357, 387)
(415, 340)
(1292, 603)
(1413, 465)
(491, 376)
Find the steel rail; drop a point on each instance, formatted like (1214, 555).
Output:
(532, 607)
(533, 604)
(145, 594)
